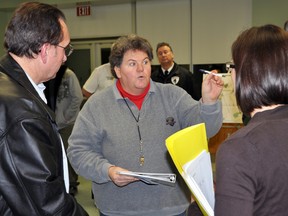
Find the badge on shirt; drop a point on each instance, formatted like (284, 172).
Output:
(175, 80)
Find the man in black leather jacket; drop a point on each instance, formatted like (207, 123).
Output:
(33, 165)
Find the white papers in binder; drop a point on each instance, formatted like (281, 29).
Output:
(199, 178)
(153, 178)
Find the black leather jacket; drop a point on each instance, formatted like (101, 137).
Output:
(31, 169)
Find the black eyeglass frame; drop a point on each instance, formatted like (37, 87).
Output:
(229, 66)
(68, 49)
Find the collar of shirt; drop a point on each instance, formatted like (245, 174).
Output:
(39, 88)
(169, 69)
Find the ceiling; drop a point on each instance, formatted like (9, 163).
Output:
(8, 5)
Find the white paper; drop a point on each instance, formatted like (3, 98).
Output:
(153, 178)
(199, 177)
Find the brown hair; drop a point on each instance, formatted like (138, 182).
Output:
(124, 44)
(161, 44)
(32, 25)
(260, 55)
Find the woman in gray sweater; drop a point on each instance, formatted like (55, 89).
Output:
(124, 127)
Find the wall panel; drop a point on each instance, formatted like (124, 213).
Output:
(108, 20)
(167, 21)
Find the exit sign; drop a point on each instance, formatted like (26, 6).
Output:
(83, 10)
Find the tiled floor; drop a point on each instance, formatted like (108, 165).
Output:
(84, 197)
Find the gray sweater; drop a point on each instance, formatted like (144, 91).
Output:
(106, 134)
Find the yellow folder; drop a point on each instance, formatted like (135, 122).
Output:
(189, 151)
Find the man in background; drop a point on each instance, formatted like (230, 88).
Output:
(64, 97)
(99, 79)
(170, 72)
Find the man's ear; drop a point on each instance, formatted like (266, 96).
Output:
(43, 52)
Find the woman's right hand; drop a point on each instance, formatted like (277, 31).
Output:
(118, 179)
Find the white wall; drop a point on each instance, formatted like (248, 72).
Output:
(199, 31)
(104, 21)
(215, 25)
(270, 12)
(167, 21)
(4, 18)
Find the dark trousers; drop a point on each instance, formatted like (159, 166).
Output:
(193, 210)
(182, 214)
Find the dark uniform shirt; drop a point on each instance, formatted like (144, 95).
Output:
(179, 76)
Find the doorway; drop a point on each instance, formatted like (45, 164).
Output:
(87, 55)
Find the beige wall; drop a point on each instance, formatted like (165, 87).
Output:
(196, 29)
(167, 21)
(4, 17)
(270, 12)
(200, 31)
(215, 25)
(104, 21)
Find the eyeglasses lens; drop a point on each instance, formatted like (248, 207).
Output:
(68, 50)
(229, 66)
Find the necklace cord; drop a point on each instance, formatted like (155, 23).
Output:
(141, 159)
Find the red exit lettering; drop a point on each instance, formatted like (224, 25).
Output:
(83, 10)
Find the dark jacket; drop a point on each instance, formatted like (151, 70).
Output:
(31, 169)
(179, 76)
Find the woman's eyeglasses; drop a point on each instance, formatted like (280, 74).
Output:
(229, 66)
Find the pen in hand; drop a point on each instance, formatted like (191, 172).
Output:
(209, 72)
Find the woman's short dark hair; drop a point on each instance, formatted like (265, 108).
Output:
(32, 25)
(124, 44)
(260, 55)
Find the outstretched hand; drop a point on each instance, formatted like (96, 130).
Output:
(212, 87)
